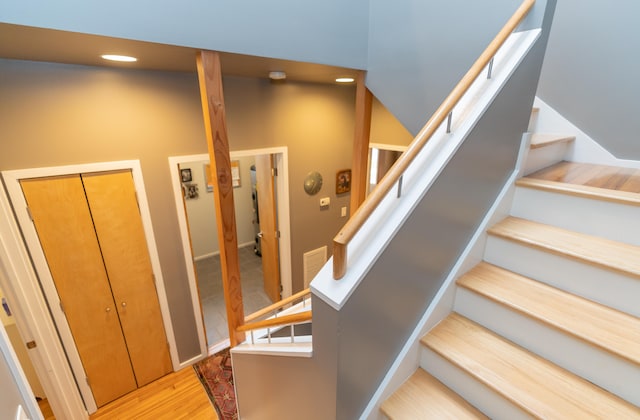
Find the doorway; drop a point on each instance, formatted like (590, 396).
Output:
(197, 220)
(129, 172)
(381, 158)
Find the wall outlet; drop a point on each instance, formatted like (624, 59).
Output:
(324, 202)
(343, 211)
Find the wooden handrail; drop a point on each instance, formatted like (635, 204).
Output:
(354, 224)
(280, 304)
(280, 321)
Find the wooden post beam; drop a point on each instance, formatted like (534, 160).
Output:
(360, 158)
(210, 78)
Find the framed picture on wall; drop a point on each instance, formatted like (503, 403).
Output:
(185, 175)
(343, 181)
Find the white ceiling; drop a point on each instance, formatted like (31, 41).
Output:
(38, 44)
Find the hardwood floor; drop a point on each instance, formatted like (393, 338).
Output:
(178, 395)
(45, 408)
(598, 176)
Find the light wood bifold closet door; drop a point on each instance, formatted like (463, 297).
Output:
(91, 233)
(65, 229)
(114, 206)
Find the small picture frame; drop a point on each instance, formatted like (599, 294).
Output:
(190, 191)
(343, 181)
(185, 175)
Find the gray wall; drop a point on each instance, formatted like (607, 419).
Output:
(54, 114)
(328, 31)
(590, 72)
(419, 50)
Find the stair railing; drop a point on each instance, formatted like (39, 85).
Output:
(445, 111)
(254, 322)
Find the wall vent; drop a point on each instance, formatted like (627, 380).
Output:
(312, 262)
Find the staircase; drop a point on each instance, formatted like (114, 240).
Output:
(548, 325)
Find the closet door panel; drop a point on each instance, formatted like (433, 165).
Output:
(62, 220)
(114, 207)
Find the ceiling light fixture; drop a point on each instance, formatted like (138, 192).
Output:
(121, 58)
(345, 80)
(277, 75)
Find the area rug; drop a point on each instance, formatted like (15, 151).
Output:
(217, 378)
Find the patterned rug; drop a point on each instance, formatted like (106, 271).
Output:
(217, 378)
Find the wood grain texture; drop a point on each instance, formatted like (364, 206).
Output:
(280, 321)
(586, 191)
(360, 159)
(397, 170)
(604, 253)
(265, 190)
(278, 305)
(537, 386)
(598, 325)
(539, 140)
(424, 397)
(66, 232)
(116, 217)
(215, 121)
(592, 175)
(177, 396)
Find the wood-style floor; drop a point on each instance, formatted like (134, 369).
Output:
(178, 395)
(597, 176)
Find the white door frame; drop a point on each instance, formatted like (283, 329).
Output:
(20, 284)
(12, 181)
(282, 191)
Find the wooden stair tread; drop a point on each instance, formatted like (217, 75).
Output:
(537, 386)
(593, 175)
(542, 139)
(601, 326)
(605, 253)
(424, 397)
(616, 196)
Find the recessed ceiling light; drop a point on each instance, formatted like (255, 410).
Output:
(345, 80)
(277, 75)
(121, 58)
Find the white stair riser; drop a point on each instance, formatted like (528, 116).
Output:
(600, 285)
(596, 365)
(545, 156)
(477, 394)
(606, 219)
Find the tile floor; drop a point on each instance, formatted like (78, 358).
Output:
(210, 285)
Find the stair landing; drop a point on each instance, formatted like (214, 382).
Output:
(592, 175)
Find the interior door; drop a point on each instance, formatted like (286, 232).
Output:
(65, 229)
(114, 207)
(268, 225)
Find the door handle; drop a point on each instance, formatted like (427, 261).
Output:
(260, 234)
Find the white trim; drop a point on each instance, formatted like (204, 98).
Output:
(282, 188)
(12, 180)
(392, 147)
(19, 282)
